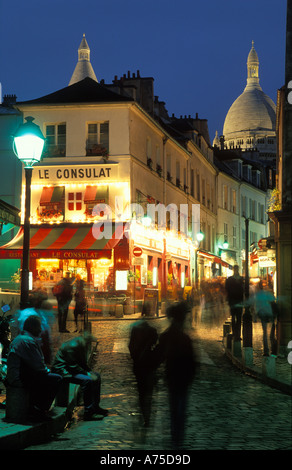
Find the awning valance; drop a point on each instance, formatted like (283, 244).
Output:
(66, 242)
(9, 214)
(96, 194)
(213, 258)
(51, 195)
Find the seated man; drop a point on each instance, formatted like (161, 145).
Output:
(26, 368)
(71, 362)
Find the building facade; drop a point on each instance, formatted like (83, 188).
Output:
(123, 189)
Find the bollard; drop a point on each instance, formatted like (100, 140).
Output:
(226, 328)
(269, 366)
(247, 356)
(119, 311)
(247, 328)
(236, 348)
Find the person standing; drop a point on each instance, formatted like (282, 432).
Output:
(234, 286)
(264, 302)
(143, 338)
(80, 300)
(63, 293)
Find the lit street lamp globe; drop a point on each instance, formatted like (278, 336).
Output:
(200, 236)
(28, 145)
(29, 142)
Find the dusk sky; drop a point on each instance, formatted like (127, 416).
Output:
(196, 51)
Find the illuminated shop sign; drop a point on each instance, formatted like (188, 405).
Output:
(74, 173)
(57, 254)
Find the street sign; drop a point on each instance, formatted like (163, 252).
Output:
(137, 251)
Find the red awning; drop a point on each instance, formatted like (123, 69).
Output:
(213, 258)
(51, 195)
(67, 241)
(95, 194)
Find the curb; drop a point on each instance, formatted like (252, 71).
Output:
(256, 373)
(20, 436)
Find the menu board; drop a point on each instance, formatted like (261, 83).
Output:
(151, 302)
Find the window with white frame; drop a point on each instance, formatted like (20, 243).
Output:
(225, 197)
(55, 145)
(234, 236)
(148, 150)
(233, 200)
(97, 138)
(75, 201)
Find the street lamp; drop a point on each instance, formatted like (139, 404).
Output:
(200, 237)
(28, 145)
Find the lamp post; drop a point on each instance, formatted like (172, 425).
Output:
(247, 317)
(28, 145)
(199, 237)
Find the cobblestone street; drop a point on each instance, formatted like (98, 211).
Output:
(227, 409)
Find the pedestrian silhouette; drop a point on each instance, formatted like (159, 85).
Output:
(63, 293)
(265, 307)
(143, 338)
(175, 349)
(234, 290)
(80, 300)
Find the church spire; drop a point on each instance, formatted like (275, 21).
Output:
(83, 67)
(253, 67)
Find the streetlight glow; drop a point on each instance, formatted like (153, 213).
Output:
(28, 145)
(200, 236)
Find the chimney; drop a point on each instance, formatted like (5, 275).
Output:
(9, 100)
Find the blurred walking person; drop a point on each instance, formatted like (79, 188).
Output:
(175, 348)
(63, 293)
(80, 300)
(143, 338)
(234, 286)
(265, 307)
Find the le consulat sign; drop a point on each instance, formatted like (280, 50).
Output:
(74, 173)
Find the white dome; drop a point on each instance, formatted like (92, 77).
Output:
(253, 110)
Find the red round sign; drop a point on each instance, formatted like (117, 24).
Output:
(137, 251)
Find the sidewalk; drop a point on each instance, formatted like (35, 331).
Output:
(16, 436)
(274, 371)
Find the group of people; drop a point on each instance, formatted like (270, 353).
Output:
(173, 348)
(262, 300)
(27, 367)
(63, 291)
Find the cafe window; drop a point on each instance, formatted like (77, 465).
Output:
(51, 205)
(93, 196)
(97, 139)
(75, 201)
